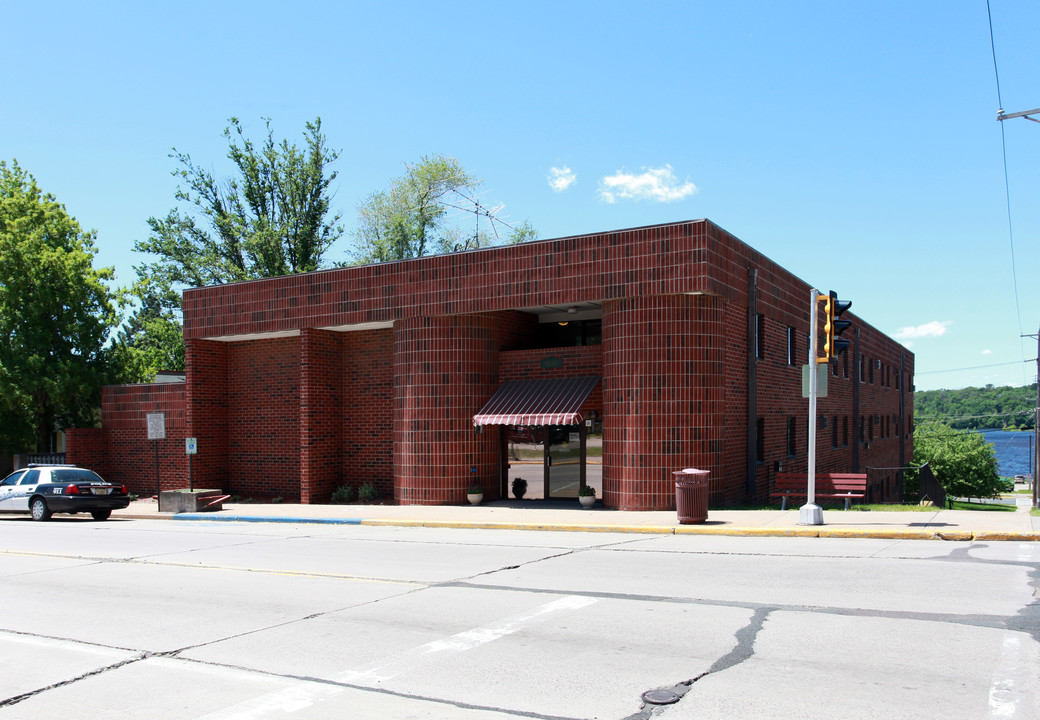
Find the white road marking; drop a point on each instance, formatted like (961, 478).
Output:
(299, 697)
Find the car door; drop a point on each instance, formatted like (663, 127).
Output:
(8, 486)
(19, 498)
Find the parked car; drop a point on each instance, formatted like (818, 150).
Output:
(42, 490)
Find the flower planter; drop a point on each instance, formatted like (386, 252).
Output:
(475, 498)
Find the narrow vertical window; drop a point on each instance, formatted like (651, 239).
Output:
(760, 440)
(792, 349)
(792, 440)
(760, 336)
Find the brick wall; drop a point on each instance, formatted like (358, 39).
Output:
(444, 371)
(121, 452)
(263, 386)
(296, 416)
(368, 409)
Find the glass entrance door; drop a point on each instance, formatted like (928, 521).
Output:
(564, 460)
(550, 458)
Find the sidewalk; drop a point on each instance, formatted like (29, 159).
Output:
(568, 516)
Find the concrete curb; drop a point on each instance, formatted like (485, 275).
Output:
(822, 531)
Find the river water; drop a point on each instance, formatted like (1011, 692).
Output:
(1013, 450)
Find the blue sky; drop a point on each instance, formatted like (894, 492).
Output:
(855, 143)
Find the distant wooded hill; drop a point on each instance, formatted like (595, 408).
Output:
(974, 407)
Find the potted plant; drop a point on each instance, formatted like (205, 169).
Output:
(519, 488)
(587, 496)
(475, 494)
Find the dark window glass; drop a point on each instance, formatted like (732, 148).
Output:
(574, 333)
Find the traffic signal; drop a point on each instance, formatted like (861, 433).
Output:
(833, 346)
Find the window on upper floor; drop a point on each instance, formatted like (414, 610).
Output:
(760, 336)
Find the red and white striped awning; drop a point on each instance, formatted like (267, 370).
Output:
(537, 402)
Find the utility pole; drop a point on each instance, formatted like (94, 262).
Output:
(1027, 114)
(1035, 470)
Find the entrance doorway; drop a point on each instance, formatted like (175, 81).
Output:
(553, 459)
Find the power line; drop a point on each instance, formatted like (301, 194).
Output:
(974, 367)
(1003, 148)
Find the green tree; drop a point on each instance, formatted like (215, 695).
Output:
(962, 461)
(274, 217)
(411, 218)
(56, 312)
(974, 407)
(151, 339)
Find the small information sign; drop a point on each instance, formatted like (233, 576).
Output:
(191, 446)
(822, 371)
(156, 426)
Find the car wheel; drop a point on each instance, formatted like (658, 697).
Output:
(39, 510)
(100, 514)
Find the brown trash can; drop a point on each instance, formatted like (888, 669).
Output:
(691, 495)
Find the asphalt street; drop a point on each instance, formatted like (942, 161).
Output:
(159, 619)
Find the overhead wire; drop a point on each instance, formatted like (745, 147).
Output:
(1007, 184)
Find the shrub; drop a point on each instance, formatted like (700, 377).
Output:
(344, 494)
(962, 461)
(367, 492)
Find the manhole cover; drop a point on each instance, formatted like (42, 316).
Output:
(660, 697)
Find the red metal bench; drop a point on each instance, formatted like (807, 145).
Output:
(828, 485)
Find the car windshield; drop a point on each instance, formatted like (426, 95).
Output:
(75, 475)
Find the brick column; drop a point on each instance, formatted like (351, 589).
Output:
(444, 371)
(663, 396)
(321, 446)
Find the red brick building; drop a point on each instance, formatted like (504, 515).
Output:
(610, 359)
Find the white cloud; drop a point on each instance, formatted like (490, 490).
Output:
(656, 184)
(935, 328)
(561, 178)
(987, 352)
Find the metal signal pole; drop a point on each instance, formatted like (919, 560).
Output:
(811, 513)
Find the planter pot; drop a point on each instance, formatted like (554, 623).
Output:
(587, 501)
(475, 498)
(180, 501)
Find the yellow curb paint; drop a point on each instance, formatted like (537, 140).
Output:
(558, 527)
(747, 531)
(398, 523)
(954, 535)
(878, 534)
(1006, 535)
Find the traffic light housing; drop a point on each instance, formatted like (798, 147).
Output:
(833, 346)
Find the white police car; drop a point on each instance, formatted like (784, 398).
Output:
(42, 490)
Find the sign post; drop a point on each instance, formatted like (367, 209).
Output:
(156, 432)
(191, 447)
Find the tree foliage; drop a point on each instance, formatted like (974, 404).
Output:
(151, 339)
(56, 312)
(272, 218)
(412, 217)
(975, 408)
(962, 461)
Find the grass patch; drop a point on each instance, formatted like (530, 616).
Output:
(891, 507)
(984, 507)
